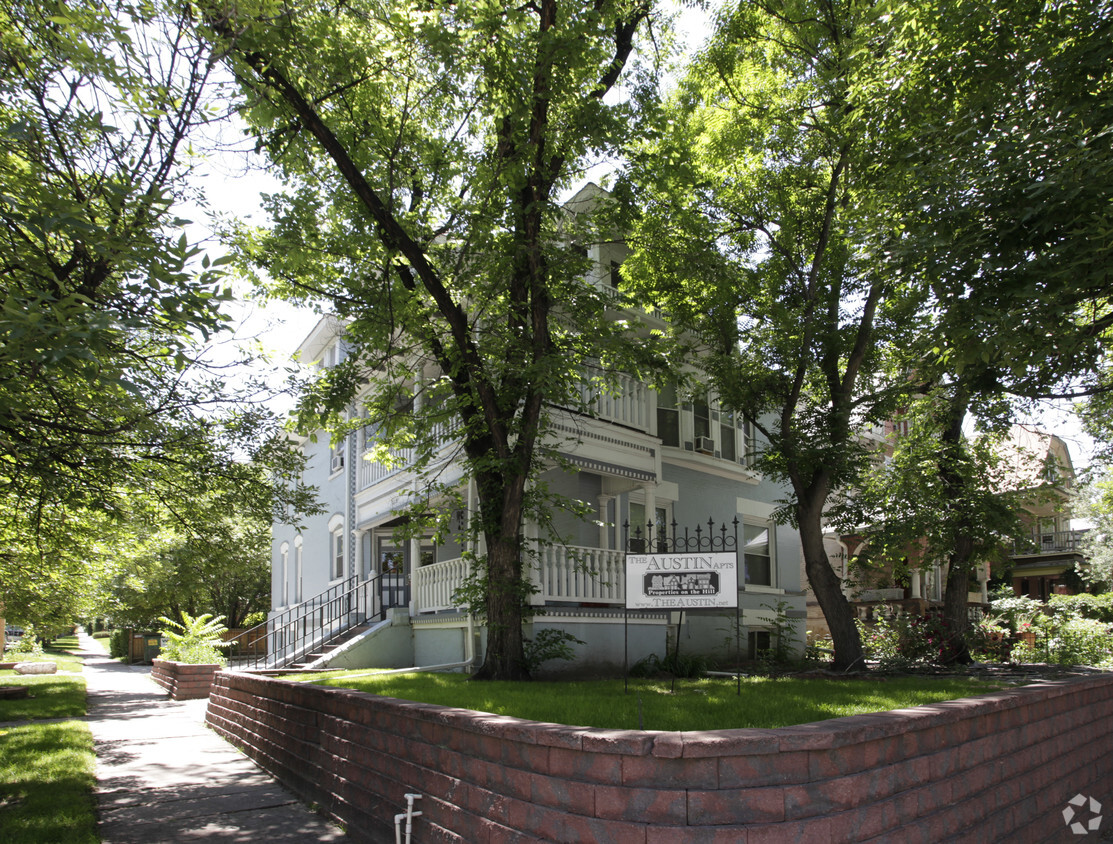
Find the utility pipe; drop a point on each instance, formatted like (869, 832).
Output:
(408, 816)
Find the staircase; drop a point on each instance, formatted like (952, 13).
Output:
(310, 660)
(304, 633)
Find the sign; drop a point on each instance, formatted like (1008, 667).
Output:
(681, 581)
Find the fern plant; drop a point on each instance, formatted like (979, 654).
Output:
(196, 639)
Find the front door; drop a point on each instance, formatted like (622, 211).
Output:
(391, 561)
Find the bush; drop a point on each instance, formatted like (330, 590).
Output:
(1016, 611)
(118, 644)
(196, 640)
(549, 644)
(1099, 607)
(902, 641)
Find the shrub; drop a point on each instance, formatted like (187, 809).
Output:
(549, 644)
(196, 640)
(1069, 640)
(1015, 611)
(1099, 607)
(118, 644)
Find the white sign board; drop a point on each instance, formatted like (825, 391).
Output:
(681, 581)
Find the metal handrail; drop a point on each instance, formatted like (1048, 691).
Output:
(294, 632)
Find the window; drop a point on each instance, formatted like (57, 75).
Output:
(727, 436)
(336, 547)
(758, 555)
(616, 275)
(338, 554)
(760, 643)
(668, 416)
(701, 414)
(1047, 531)
(640, 529)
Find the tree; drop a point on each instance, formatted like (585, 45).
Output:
(753, 201)
(1003, 122)
(105, 305)
(425, 146)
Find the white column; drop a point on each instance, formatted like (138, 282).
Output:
(917, 578)
(604, 528)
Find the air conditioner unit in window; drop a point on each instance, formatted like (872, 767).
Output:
(705, 445)
(337, 462)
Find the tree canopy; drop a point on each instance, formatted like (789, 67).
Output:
(424, 149)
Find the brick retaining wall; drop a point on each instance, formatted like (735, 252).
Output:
(183, 681)
(999, 767)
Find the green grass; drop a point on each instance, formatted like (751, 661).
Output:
(46, 784)
(707, 704)
(50, 696)
(57, 652)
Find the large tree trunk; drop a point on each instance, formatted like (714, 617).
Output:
(958, 573)
(828, 589)
(954, 604)
(505, 655)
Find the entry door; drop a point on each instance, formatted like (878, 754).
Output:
(391, 560)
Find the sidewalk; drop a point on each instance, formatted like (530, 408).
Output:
(163, 776)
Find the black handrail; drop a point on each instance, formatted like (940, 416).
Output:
(293, 633)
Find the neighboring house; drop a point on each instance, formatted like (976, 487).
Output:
(1041, 467)
(1036, 464)
(640, 457)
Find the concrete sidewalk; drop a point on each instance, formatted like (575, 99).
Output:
(163, 776)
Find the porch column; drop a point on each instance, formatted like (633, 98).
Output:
(917, 586)
(650, 490)
(604, 528)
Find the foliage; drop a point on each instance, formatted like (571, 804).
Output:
(548, 644)
(1094, 502)
(28, 643)
(422, 149)
(903, 640)
(699, 704)
(1016, 612)
(749, 210)
(47, 776)
(1098, 607)
(108, 314)
(672, 664)
(194, 640)
(118, 643)
(1068, 639)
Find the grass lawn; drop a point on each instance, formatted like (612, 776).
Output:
(46, 784)
(706, 704)
(47, 770)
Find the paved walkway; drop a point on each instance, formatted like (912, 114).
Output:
(163, 776)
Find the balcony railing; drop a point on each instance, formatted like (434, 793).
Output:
(1055, 542)
(372, 471)
(565, 573)
(627, 403)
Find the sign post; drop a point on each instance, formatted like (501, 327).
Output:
(700, 580)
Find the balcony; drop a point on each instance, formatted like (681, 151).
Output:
(1057, 542)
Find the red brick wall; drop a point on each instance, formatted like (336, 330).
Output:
(184, 682)
(1000, 767)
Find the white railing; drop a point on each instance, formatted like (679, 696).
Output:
(626, 402)
(434, 585)
(573, 573)
(565, 573)
(371, 471)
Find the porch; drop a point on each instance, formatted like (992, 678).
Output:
(561, 574)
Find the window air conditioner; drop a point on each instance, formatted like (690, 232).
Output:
(705, 445)
(337, 462)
